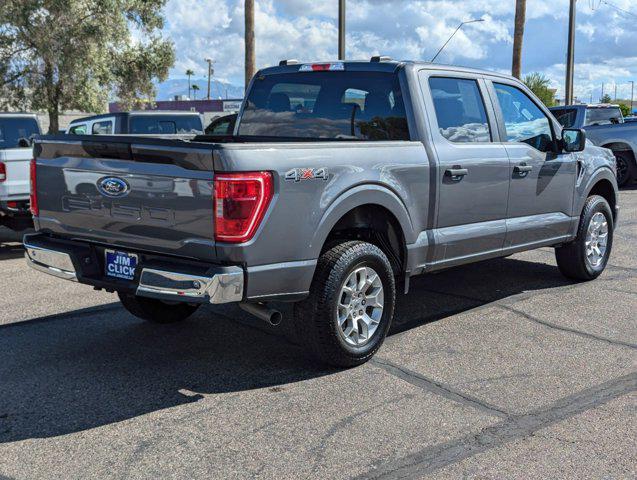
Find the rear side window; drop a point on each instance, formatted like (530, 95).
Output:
(566, 116)
(326, 105)
(523, 119)
(460, 110)
(103, 128)
(13, 129)
(165, 124)
(78, 129)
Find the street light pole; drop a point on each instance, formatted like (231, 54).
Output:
(209, 60)
(341, 29)
(570, 54)
(632, 91)
(454, 32)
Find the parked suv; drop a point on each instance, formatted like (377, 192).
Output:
(144, 122)
(16, 133)
(342, 180)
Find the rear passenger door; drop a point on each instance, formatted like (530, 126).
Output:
(473, 168)
(542, 177)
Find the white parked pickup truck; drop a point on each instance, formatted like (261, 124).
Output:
(16, 130)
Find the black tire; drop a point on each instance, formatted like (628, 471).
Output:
(571, 258)
(156, 311)
(625, 168)
(315, 318)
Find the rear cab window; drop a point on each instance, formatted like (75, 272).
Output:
(164, 124)
(12, 129)
(104, 127)
(331, 105)
(602, 116)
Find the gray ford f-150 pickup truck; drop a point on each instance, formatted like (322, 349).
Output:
(341, 180)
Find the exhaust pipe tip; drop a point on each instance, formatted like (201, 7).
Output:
(259, 310)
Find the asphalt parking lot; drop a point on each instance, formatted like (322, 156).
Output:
(502, 369)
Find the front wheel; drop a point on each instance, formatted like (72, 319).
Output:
(585, 258)
(156, 311)
(625, 168)
(350, 308)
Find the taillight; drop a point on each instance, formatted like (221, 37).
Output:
(240, 201)
(33, 197)
(3, 172)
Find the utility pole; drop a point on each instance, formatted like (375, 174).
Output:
(518, 37)
(249, 41)
(341, 29)
(615, 92)
(632, 91)
(600, 98)
(210, 62)
(570, 54)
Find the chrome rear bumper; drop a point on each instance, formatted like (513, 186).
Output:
(225, 285)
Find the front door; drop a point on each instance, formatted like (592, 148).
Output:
(540, 197)
(473, 169)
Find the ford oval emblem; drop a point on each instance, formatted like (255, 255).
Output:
(112, 187)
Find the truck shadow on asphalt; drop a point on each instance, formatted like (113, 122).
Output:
(97, 366)
(11, 251)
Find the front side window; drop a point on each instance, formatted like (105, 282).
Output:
(460, 110)
(566, 116)
(326, 105)
(103, 128)
(13, 129)
(78, 129)
(524, 121)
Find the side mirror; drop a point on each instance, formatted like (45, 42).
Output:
(24, 142)
(573, 139)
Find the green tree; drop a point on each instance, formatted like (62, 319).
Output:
(195, 89)
(77, 54)
(605, 99)
(189, 73)
(625, 109)
(539, 85)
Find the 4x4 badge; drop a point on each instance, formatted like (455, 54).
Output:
(298, 174)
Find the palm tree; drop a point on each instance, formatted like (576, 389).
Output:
(189, 73)
(195, 89)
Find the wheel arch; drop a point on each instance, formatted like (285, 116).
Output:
(604, 185)
(372, 213)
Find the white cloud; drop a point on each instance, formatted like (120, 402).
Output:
(404, 29)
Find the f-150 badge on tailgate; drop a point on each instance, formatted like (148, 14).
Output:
(298, 174)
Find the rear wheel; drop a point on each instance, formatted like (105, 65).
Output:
(625, 168)
(156, 311)
(345, 319)
(585, 258)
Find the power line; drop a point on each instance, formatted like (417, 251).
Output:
(619, 9)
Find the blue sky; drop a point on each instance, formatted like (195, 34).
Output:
(606, 40)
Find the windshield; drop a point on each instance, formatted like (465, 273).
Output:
(13, 129)
(326, 105)
(165, 124)
(603, 116)
(566, 116)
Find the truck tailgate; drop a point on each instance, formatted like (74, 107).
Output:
(16, 184)
(138, 194)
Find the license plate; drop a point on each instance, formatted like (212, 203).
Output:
(120, 264)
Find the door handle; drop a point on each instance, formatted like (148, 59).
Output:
(523, 168)
(456, 173)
